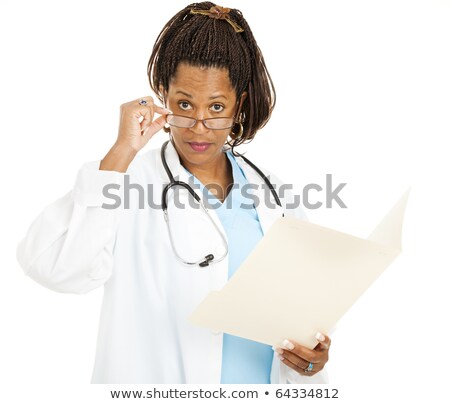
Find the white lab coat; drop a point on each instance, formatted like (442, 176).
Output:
(75, 246)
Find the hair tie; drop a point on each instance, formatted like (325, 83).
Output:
(219, 13)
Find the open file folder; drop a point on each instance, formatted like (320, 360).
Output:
(301, 278)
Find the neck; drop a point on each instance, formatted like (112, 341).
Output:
(216, 169)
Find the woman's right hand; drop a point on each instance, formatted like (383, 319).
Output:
(134, 133)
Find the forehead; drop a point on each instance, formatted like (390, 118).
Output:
(201, 80)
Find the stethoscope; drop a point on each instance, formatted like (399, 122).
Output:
(207, 259)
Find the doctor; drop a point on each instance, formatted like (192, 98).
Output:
(209, 73)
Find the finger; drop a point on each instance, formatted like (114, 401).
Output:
(146, 98)
(146, 122)
(155, 126)
(144, 104)
(161, 110)
(300, 362)
(299, 367)
(324, 342)
(301, 351)
(283, 354)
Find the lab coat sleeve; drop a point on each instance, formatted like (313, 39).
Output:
(69, 246)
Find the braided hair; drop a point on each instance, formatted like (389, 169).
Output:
(208, 42)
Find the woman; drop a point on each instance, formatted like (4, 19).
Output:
(208, 72)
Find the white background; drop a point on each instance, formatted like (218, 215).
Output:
(363, 93)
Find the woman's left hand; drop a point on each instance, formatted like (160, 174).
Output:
(298, 357)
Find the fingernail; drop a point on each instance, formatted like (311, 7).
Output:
(168, 111)
(288, 344)
(320, 337)
(278, 350)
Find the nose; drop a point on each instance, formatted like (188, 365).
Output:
(199, 126)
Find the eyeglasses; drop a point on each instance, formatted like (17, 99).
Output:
(179, 121)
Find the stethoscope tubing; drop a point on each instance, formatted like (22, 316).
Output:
(173, 183)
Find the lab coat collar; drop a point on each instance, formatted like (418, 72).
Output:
(267, 212)
(174, 164)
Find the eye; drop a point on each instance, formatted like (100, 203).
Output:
(184, 105)
(217, 107)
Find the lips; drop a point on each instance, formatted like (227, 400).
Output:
(199, 146)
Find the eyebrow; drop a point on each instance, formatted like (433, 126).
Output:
(211, 98)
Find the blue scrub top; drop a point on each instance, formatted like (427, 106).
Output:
(243, 360)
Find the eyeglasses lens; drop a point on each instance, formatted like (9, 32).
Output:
(212, 123)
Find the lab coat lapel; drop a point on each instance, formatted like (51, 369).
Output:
(173, 161)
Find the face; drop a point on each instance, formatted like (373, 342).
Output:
(200, 93)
